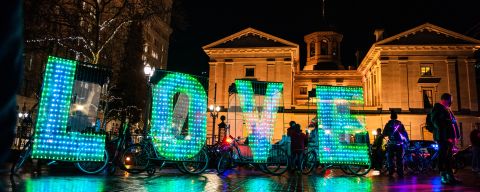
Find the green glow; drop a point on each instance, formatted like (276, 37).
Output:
(164, 129)
(52, 141)
(340, 184)
(64, 184)
(259, 124)
(168, 183)
(262, 184)
(339, 130)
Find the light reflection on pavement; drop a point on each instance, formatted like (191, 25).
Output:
(236, 180)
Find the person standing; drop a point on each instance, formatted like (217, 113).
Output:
(397, 140)
(475, 140)
(446, 133)
(378, 151)
(299, 140)
(290, 132)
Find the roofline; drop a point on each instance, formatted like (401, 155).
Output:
(429, 25)
(247, 31)
(375, 48)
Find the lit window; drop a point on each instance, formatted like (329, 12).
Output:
(249, 72)
(426, 70)
(303, 90)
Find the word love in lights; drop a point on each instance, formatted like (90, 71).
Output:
(52, 141)
(342, 136)
(165, 126)
(259, 124)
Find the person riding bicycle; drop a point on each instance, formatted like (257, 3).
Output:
(397, 140)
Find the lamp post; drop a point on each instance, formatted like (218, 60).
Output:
(148, 73)
(214, 109)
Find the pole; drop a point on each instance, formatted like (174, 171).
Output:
(214, 116)
(145, 123)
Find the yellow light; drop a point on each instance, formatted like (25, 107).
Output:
(374, 132)
(79, 107)
(127, 159)
(211, 107)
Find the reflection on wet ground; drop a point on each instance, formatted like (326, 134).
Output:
(237, 180)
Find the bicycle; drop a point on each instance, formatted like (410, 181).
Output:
(418, 159)
(276, 163)
(311, 162)
(114, 156)
(142, 153)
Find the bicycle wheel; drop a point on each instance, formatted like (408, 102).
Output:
(309, 163)
(225, 162)
(24, 155)
(93, 167)
(180, 168)
(359, 170)
(277, 162)
(345, 170)
(196, 164)
(136, 158)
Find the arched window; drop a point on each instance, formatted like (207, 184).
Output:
(312, 49)
(324, 47)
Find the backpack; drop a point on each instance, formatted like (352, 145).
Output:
(429, 123)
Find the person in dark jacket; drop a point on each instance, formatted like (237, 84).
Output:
(378, 151)
(290, 132)
(475, 139)
(299, 140)
(446, 133)
(397, 140)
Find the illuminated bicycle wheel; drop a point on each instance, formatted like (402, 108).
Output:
(359, 170)
(196, 164)
(24, 155)
(136, 159)
(277, 162)
(224, 163)
(309, 162)
(93, 167)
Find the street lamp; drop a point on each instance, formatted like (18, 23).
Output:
(214, 109)
(148, 73)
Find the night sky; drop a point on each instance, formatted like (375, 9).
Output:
(198, 23)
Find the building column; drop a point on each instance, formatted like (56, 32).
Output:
(451, 82)
(472, 86)
(404, 96)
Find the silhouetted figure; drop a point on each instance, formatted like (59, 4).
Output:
(378, 150)
(397, 140)
(222, 128)
(475, 140)
(299, 140)
(446, 133)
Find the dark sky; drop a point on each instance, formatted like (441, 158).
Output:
(203, 22)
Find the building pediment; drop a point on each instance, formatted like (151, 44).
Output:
(250, 38)
(428, 34)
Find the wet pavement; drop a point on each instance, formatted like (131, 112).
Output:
(65, 179)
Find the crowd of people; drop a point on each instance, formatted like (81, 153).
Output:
(392, 142)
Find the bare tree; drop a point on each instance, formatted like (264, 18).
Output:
(86, 27)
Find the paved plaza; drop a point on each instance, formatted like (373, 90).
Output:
(66, 179)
